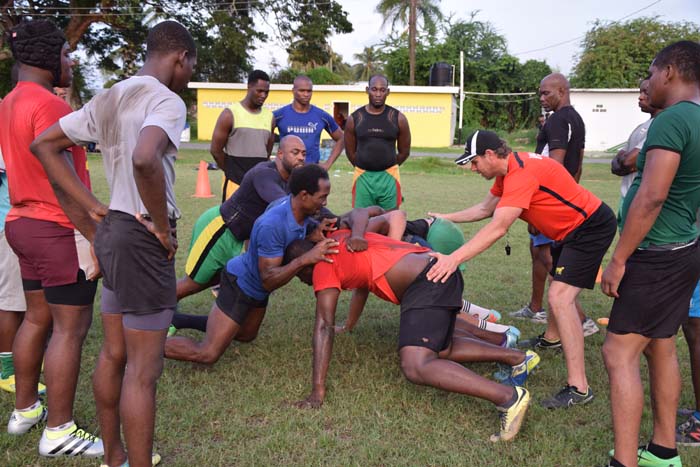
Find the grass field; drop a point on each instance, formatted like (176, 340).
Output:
(239, 412)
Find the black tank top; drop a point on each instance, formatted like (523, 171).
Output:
(376, 138)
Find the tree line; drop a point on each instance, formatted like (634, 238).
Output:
(111, 35)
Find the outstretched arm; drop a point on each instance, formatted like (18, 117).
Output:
(274, 275)
(324, 333)
(474, 213)
(503, 218)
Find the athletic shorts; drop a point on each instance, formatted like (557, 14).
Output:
(147, 321)
(233, 301)
(212, 245)
(540, 240)
(134, 264)
(53, 258)
(377, 188)
(11, 291)
(694, 310)
(577, 258)
(655, 292)
(429, 310)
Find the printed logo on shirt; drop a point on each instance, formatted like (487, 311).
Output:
(310, 128)
(559, 271)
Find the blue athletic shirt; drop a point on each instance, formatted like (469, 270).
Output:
(307, 126)
(272, 234)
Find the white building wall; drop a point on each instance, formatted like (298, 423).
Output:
(610, 115)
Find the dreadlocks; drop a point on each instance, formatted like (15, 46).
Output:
(39, 44)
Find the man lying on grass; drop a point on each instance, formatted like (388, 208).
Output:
(395, 271)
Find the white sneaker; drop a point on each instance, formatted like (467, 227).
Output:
(527, 313)
(19, 423)
(72, 441)
(589, 327)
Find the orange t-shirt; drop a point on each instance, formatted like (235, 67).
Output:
(551, 199)
(24, 114)
(364, 269)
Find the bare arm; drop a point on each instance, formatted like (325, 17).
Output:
(357, 305)
(475, 213)
(392, 224)
(350, 140)
(79, 204)
(557, 155)
(324, 334)
(338, 137)
(660, 169)
(223, 128)
(503, 218)
(147, 160)
(271, 139)
(274, 275)
(403, 145)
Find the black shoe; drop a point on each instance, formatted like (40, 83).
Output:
(567, 397)
(539, 343)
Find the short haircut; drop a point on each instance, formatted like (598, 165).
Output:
(168, 37)
(295, 249)
(302, 78)
(369, 81)
(39, 44)
(684, 56)
(305, 178)
(256, 75)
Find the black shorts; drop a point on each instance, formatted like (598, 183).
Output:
(576, 259)
(233, 301)
(429, 310)
(134, 264)
(655, 292)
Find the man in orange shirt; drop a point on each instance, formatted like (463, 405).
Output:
(542, 193)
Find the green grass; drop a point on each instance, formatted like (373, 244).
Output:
(239, 412)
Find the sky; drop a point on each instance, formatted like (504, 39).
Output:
(527, 25)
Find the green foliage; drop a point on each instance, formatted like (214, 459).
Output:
(487, 68)
(618, 55)
(317, 20)
(323, 75)
(370, 63)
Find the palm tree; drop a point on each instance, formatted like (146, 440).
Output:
(369, 63)
(406, 12)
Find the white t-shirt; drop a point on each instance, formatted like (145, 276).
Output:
(635, 141)
(114, 119)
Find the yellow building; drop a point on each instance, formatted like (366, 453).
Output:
(431, 110)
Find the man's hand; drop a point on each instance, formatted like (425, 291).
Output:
(167, 238)
(436, 214)
(98, 212)
(443, 268)
(325, 226)
(612, 276)
(355, 244)
(314, 401)
(319, 252)
(95, 273)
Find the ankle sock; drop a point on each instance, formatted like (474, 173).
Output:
(512, 400)
(7, 366)
(661, 451)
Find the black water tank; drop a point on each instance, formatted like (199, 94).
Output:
(440, 74)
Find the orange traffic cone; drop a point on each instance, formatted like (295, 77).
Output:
(203, 189)
(599, 277)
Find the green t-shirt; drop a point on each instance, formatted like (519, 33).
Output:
(675, 129)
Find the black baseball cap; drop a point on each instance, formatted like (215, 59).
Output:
(477, 144)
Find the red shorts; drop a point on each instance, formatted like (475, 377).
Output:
(48, 252)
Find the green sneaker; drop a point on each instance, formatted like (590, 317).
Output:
(647, 459)
(172, 330)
